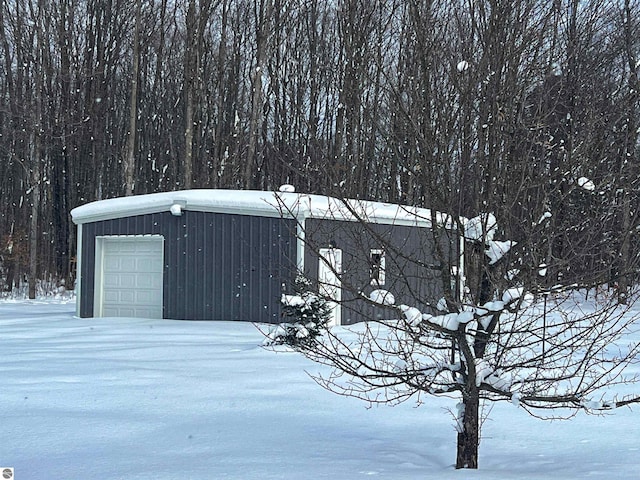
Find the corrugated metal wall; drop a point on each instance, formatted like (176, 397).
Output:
(413, 269)
(217, 266)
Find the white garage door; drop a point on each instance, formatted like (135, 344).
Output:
(129, 276)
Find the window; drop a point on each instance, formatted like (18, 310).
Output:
(377, 266)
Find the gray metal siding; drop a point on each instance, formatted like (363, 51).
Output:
(413, 272)
(217, 266)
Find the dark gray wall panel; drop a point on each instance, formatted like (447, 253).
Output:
(413, 269)
(217, 266)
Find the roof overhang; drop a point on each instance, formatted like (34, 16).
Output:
(257, 203)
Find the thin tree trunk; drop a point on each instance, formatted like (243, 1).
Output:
(188, 140)
(33, 225)
(255, 121)
(223, 120)
(191, 72)
(628, 159)
(130, 161)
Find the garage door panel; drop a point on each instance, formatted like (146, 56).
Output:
(112, 264)
(150, 265)
(126, 296)
(132, 277)
(136, 297)
(119, 312)
(127, 246)
(145, 281)
(111, 296)
(145, 297)
(126, 280)
(111, 312)
(142, 312)
(111, 280)
(127, 264)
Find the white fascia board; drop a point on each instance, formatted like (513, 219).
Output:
(216, 201)
(259, 203)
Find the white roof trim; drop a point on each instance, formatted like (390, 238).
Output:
(258, 203)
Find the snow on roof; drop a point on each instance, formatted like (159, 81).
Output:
(252, 202)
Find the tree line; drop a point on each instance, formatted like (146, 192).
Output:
(527, 109)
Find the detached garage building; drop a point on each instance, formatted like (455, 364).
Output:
(230, 255)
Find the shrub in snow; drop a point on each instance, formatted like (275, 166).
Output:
(307, 314)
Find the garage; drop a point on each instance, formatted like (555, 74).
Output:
(230, 254)
(128, 276)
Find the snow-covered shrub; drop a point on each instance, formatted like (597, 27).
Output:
(306, 314)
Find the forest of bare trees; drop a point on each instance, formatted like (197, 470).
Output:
(527, 109)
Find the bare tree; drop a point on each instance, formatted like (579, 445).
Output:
(544, 350)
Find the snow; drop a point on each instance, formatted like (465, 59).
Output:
(159, 399)
(287, 188)
(480, 228)
(483, 370)
(450, 321)
(545, 216)
(515, 399)
(382, 297)
(293, 300)
(412, 314)
(493, 306)
(442, 305)
(462, 65)
(260, 203)
(586, 184)
(495, 250)
(512, 294)
(176, 209)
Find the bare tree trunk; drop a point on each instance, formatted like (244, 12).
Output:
(35, 151)
(197, 18)
(469, 434)
(190, 75)
(188, 140)
(628, 160)
(130, 161)
(469, 418)
(222, 122)
(35, 205)
(625, 250)
(263, 15)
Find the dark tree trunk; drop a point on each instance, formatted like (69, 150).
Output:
(469, 436)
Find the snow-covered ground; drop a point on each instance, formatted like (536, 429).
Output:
(158, 399)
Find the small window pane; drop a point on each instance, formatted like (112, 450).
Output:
(377, 267)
